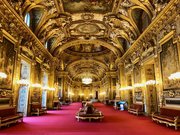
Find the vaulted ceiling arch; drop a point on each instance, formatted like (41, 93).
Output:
(101, 64)
(140, 8)
(56, 49)
(88, 35)
(28, 6)
(79, 76)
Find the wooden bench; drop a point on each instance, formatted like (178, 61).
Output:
(37, 109)
(169, 116)
(8, 115)
(136, 109)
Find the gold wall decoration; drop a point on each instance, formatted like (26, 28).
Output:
(7, 61)
(138, 95)
(137, 74)
(36, 95)
(100, 6)
(169, 63)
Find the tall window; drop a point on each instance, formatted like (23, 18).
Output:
(27, 19)
(46, 45)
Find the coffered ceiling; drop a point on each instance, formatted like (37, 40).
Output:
(87, 36)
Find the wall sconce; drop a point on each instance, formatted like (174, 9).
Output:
(36, 85)
(3, 75)
(81, 94)
(138, 85)
(45, 88)
(174, 76)
(48, 88)
(70, 93)
(23, 82)
(90, 94)
(52, 89)
(127, 88)
(151, 82)
(102, 93)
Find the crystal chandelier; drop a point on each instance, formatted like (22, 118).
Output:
(87, 80)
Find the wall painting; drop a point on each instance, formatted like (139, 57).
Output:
(7, 60)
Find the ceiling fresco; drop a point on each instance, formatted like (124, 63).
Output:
(88, 30)
(91, 48)
(95, 6)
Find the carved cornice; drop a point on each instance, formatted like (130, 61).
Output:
(57, 49)
(169, 12)
(166, 38)
(11, 15)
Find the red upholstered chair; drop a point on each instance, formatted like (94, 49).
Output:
(8, 115)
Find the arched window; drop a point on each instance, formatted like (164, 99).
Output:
(46, 45)
(49, 43)
(27, 19)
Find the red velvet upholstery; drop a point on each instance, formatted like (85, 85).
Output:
(169, 116)
(136, 109)
(5, 112)
(137, 106)
(9, 115)
(170, 112)
(37, 109)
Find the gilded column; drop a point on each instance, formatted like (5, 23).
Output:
(17, 69)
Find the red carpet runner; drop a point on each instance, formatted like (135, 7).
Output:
(63, 122)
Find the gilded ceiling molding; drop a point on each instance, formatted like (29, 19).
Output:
(81, 75)
(50, 19)
(28, 3)
(87, 61)
(30, 7)
(8, 36)
(82, 54)
(168, 12)
(16, 19)
(166, 37)
(40, 23)
(59, 6)
(140, 7)
(45, 23)
(134, 28)
(59, 48)
(131, 18)
(53, 24)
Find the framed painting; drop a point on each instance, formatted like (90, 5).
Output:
(139, 96)
(137, 74)
(7, 62)
(36, 95)
(169, 63)
(77, 6)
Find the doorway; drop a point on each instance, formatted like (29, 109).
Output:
(96, 95)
